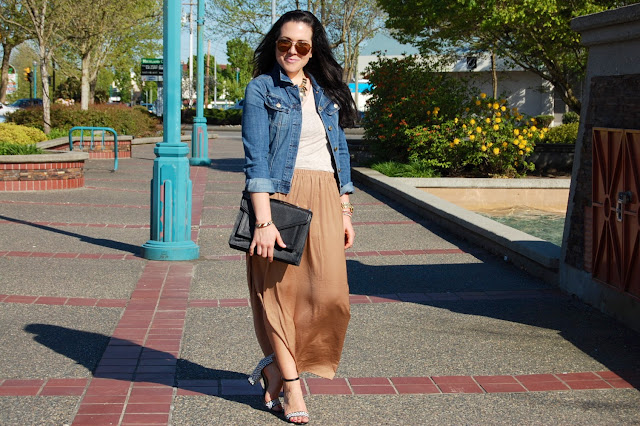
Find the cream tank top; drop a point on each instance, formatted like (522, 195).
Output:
(314, 151)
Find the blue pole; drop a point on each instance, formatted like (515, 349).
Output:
(171, 186)
(199, 140)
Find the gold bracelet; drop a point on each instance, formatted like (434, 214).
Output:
(347, 207)
(264, 225)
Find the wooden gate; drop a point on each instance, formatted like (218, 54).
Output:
(616, 222)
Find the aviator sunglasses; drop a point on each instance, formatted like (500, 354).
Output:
(302, 47)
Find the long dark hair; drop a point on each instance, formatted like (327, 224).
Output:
(322, 65)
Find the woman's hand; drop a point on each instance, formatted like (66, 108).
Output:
(264, 239)
(349, 233)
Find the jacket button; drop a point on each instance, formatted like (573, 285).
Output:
(335, 105)
(330, 127)
(339, 170)
(319, 108)
(335, 149)
(278, 105)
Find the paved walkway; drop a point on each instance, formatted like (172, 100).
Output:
(441, 331)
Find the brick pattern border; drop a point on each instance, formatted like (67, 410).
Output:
(133, 380)
(153, 398)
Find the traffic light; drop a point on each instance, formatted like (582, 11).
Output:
(28, 75)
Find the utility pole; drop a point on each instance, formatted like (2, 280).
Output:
(215, 82)
(273, 12)
(191, 53)
(206, 86)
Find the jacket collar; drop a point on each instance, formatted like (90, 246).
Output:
(280, 77)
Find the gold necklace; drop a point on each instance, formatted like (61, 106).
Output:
(303, 87)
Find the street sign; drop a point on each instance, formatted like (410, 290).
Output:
(151, 69)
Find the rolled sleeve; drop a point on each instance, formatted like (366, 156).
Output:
(347, 188)
(255, 139)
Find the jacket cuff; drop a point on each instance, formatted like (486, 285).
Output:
(347, 189)
(260, 185)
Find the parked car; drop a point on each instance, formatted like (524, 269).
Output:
(150, 107)
(19, 104)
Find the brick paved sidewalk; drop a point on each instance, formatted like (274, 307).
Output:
(441, 331)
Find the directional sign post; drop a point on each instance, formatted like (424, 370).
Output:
(151, 69)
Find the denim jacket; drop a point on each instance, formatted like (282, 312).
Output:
(271, 125)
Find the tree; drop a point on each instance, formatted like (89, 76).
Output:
(347, 22)
(11, 35)
(103, 28)
(534, 34)
(48, 21)
(240, 67)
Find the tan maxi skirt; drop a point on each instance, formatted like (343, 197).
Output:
(306, 306)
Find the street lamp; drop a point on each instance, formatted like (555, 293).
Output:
(199, 140)
(171, 187)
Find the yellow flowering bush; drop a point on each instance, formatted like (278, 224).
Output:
(487, 139)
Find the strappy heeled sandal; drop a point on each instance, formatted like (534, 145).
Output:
(254, 378)
(289, 416)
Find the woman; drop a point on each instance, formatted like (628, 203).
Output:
(294, 113)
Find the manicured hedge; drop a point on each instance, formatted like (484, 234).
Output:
(124, 120)
(216, 117)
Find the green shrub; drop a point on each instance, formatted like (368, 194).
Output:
(22, 135)
(565, 133)
(396, 169)
(124, 120)
(544, 120)
(407, 92)
(8, 148)
(215, 117)
(57, 133)
(570, 117)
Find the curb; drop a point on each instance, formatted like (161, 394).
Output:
(538, 257)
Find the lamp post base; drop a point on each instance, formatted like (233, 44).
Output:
(159, 250)
(199, 143)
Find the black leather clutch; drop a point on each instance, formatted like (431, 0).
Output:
(292, 221)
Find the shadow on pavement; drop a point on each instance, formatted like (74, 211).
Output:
(87, 348)
(102, 242)
(595, 334)
(227, 165)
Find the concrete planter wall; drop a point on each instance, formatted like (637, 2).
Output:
(63, 170)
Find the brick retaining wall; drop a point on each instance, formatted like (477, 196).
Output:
(41, 176)
(98, 151)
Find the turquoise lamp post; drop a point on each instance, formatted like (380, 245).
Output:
(171, 185)
(199, 140)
